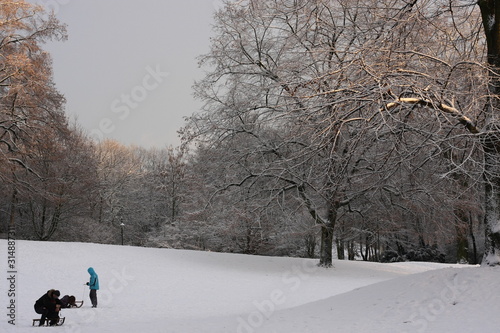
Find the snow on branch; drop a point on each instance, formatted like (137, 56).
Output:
(464, 120)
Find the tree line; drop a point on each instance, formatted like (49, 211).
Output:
(359, 128)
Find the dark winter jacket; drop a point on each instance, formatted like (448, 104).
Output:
(67, 301)
(94, 279)
(47, 301)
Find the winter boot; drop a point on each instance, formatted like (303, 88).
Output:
(54, 321)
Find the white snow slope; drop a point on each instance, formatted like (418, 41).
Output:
(164, 290)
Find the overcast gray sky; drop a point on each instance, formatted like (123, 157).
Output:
(128, 65)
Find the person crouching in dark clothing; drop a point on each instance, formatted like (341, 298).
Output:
(68, 301)
(48, 306)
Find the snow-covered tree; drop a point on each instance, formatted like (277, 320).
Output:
(30, 106)
(334, 99)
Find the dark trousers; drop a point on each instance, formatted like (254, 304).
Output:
(51, 314)
(93, 297)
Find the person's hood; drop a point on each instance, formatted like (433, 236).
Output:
(91, 271)
(52, 292)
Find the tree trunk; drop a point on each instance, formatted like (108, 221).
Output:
(490, 11)
(325, 258)
(310, 244)
(492, 213)
(351, 250)
(327, 227)
(462, 245)
(461, 228)
(340, 249)
(361, 250)
(474, 257)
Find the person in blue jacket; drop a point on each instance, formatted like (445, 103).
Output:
(94, 286)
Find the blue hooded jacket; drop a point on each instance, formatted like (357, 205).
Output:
(94, 279)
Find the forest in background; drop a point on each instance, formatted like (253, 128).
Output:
(355, 125)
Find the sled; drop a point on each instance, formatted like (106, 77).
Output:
(78, 304)
(47, 321)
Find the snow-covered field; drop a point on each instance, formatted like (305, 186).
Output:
(163, 290)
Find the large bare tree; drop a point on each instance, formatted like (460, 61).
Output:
(289, 77)
(29, 102)
(466, 92)
(336, 98)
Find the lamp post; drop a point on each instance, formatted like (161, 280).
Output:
(122, 225)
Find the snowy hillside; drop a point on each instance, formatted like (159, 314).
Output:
(162, 290)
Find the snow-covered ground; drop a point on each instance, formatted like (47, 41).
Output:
(163, 290)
